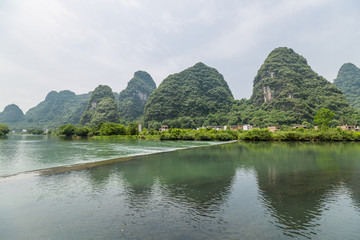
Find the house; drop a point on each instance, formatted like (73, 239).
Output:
(348, 127)
(235, 127)
(220, 128)
(273, 128)
(164, 128)
(299, 126)
(247, 127)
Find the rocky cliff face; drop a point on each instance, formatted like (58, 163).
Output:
(348, 81)
(133, 98)
(286, 82)
(194, 92)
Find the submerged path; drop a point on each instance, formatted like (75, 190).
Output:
(87, 165)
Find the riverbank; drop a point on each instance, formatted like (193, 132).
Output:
(325, 135)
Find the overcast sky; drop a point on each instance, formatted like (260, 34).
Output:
(76, 45)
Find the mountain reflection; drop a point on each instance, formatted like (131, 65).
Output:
(295, 180)
(199, 178)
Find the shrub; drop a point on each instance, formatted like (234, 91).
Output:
(82, 131)
(67, 130)
(257, 135)
(108, 129)
(4, 129)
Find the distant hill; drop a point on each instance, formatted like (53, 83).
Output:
(133, 98)
(285, 83)
(101, 107)
(195, 92)
(12, 114)
(348, 81)
(57, 108)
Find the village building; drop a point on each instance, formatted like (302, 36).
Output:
(164, 128)
(273, 128)
(247, 127)
(349, 127)
(236, 127)
(299, 126)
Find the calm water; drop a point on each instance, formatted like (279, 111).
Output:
(232, 191)
(20, 153)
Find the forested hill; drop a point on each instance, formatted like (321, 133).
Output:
(133, 98)
(195, 92)
(286, 83)
(348, 81)
(12, 114)
(101, 107)
(286, 91)
(57, 108)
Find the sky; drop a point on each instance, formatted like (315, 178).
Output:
(48, 45)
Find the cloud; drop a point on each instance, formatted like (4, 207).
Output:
(63, 44)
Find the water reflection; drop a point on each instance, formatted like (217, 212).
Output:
(233, 191)
(295, 180)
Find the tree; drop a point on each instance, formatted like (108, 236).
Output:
(67, 130)
(133, 129)
(82, 131)
(4, 129)
(109, 128)
(323, 118)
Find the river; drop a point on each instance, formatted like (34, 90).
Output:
(232, 191)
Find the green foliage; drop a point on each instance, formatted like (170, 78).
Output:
(133, 98)
(323, 117)
(101, 107)
(132, 129)
(57, 109)
(195, 92)
(201, 135)
(257, 135)
(67, 130)
(82, 131)
(290, 92)
(4, 129)
(12, 114)
(348, 81)
(108, 129)
(35, 131)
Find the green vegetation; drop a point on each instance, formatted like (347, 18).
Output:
(12, 114)
(35, 131)
(195, 92)
(348, 81)
(206, 134)
(323, 118)
(101, 107)
(67, 130)
(58, 108)
(133, 98)
(286, 88)
(101, 129)
(286, 92)
(4, 130)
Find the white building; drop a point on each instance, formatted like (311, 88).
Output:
(247, 127)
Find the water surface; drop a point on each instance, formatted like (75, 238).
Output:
(20, 153)
(232, 191)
